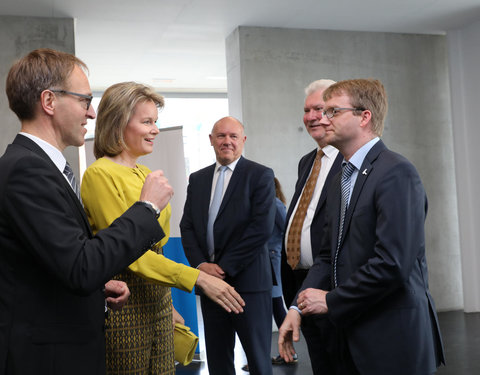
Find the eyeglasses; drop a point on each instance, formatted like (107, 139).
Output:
(331, 112)
(88, 98)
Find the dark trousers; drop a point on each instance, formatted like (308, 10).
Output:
(253, 327)
(317, 333)
(343, 362)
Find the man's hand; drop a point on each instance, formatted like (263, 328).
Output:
(288, 332)
(116, 293)
(156, 189)
(212, 269)
(312, 301)
(220, 292)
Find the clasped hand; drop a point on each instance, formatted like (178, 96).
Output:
(210, 281)
(312, 301)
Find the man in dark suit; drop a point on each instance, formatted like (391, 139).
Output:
(228, 218)
(305, 220)
(371, 275)
(53, 272)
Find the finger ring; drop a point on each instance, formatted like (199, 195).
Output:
(301, 305)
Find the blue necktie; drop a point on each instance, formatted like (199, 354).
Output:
(347, 170)
(213, 211)
(67, 171)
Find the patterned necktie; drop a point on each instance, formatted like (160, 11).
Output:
(213, 211)
(348, 169)
(295, 231)
(71, 179)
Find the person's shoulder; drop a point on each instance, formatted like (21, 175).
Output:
(308, 157)
(102, 168)
(387, 155)
(252, 165)
(101, 164)
(203, 171)
(144, 168)
(20, 158)
(396, 163)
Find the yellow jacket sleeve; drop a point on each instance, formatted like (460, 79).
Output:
(107, 195)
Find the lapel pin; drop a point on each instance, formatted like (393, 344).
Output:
(364, 172)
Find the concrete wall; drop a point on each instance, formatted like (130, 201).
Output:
(464, 58)
(18, 36)
(267, 70)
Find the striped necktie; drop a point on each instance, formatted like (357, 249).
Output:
(71, 179)
(347, 170)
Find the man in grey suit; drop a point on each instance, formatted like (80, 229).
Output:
(371, 276)
(305, 221)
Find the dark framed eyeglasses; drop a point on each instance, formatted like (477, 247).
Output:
(331, 112)
(88, 98)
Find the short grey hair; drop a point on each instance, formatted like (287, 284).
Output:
(320, 84)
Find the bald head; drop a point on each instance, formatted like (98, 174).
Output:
(227, 139)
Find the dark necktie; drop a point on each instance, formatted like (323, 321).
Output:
(295, 231)
(347, 170)
(71, 179)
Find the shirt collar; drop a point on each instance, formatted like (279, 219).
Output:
(53, 153)
(230, 166)
(359, 156)
(329, 151)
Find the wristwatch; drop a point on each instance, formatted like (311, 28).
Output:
(153, 207)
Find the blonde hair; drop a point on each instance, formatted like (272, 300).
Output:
(114, 111)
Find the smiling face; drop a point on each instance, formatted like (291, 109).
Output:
(70, 112)
(227, 139)
(313, 108)
(141, 130)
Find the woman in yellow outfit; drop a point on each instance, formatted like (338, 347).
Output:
(139, 338)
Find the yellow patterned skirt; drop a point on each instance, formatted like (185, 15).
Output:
(139, 338)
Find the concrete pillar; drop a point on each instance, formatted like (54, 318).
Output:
(18, 36)
(465, 83)
(267, 70)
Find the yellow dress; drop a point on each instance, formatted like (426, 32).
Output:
(139, 338)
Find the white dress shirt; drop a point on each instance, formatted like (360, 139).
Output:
(226, 181)
(306, 257)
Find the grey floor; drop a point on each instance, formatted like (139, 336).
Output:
(461, 336)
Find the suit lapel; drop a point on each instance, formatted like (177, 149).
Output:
(32, 146)
(206, 186)
(337, 163)
(335, 211)
(302, 179)
(234, 180)
(363, 174)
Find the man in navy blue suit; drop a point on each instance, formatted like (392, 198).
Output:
(227, 220)
(306, 236)
(371, 275)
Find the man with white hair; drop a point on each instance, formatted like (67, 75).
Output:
(305, 218)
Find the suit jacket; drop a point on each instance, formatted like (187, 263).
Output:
(52, 270)
(242, 228)
(304, 167)
(382, 303)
